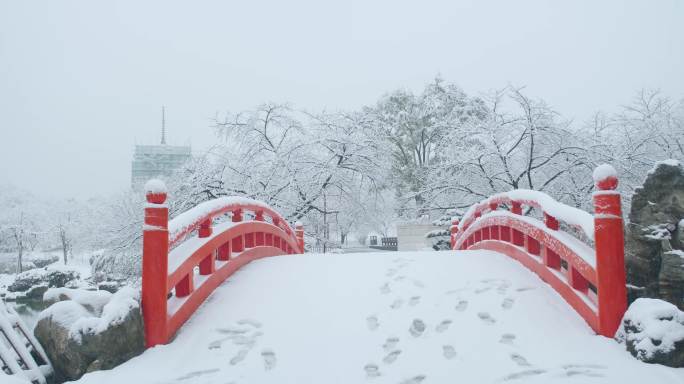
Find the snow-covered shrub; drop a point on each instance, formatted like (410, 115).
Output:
(653, 331)
(50, 277)
(440, 239)
(121, 264)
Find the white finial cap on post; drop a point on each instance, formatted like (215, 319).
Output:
(155, 191)
(605, 177)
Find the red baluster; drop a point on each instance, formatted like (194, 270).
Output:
(224, 252)
(454, 232)
(551, 222)
(208, 265)
(205, 228)
(299, 234)
(238, 244)
(186, 285)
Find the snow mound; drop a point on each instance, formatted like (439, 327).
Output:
(95, 300)
(73, 315)
(652, 326)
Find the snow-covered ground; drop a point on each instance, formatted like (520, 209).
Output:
(412, 317)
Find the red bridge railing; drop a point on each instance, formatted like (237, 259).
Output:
(180, 271)
(591, 278)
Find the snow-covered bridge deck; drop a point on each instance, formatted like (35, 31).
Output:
(399, 317)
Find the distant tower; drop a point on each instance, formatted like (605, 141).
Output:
(157, 161)
(163, 139)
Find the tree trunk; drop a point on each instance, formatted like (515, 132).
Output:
(19, 259)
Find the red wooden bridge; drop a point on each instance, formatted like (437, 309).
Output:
(579, 254)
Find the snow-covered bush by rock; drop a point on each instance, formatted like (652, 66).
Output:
(653, 331)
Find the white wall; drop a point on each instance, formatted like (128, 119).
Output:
(411, 237)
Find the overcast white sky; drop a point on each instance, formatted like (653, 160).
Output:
(82, 81)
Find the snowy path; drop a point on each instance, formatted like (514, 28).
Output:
(413, 317)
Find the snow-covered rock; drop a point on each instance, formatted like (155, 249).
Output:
(88, 331)
(653, 331)
(655, 234)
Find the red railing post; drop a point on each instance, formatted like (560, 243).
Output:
(299, 234)
(238, 244)
(454, 232)
(610, 251)
(551, 222)
(155, 263)
(205, 228)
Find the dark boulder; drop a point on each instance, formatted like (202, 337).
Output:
(77, 341)
(654, 241)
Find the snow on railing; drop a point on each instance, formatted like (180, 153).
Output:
(191, 220)
(20, 352)
(591, 280)
(572, 216)
(171, 288)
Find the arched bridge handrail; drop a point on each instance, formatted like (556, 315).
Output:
(591, 280)
(570, 215)
(175, 283)
(191, 220)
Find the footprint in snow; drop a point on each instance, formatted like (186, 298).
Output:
(443, 326)
(520, 360)
(523, 289)
(486, 317)
(462, 305)
(417, 327)
(216, 344)
(391, 357)
(413, 301)
(482, 290)
(400, 278)
(385, 289)
(448, 351)
(391, 272)
(246, 340)
(583, 372)
(507, 338)
(587, 370)
(414, 380)
(269, 359)
(418, 284)
(230, 330)
(592, 366)
(193, 374)
(372, 323)
(239, 356)
(523, 374)
(397, 304)
(250, 322)
(390, 344)
(372, 370)
(508, 303)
